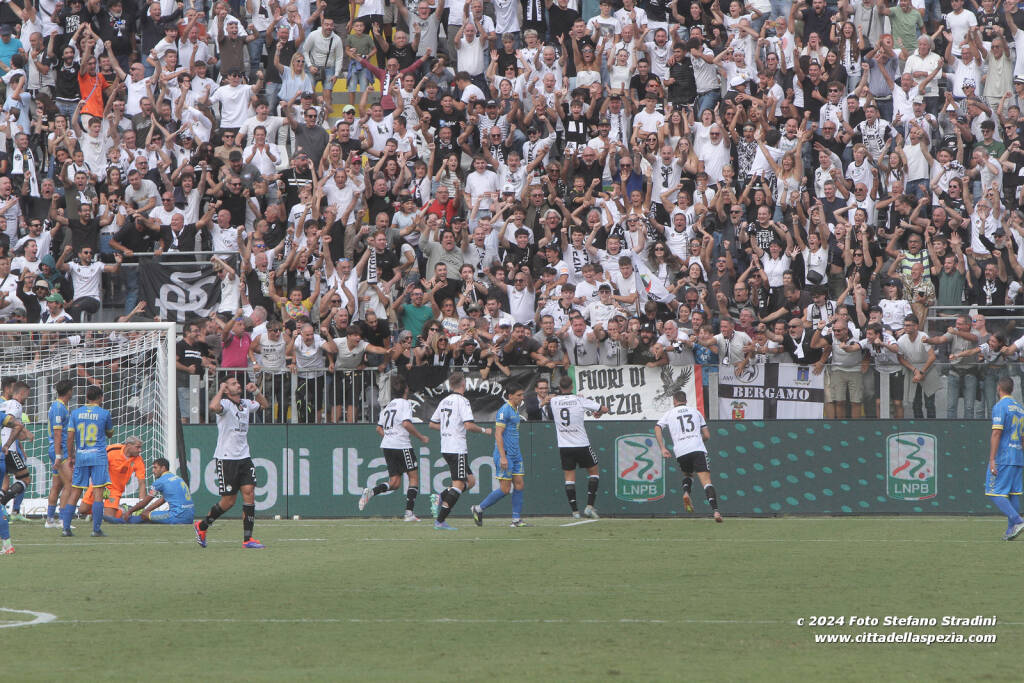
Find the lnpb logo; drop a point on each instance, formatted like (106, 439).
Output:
(912, 468)
(639, 472)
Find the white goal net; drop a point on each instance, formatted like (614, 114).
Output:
(133, 363)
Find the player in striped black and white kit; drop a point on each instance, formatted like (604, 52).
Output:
(454, 417)
(689, 433)
(395, 427)
(569, 412)
(236, 472)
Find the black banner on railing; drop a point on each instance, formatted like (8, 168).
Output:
(429, 384)
(179, 293)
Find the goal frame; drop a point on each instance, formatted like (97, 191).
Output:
(170, 395)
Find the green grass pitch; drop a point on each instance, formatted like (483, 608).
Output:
(629, 600)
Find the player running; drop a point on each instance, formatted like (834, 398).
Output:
(1006, 458)
(169, 488)
(57, 421)
(508, 460)
(235, 470)
(88, 430)
(569, 412)
(453, 417)
(689, 433)
(14, 458)
(123, 461)
(395, 426)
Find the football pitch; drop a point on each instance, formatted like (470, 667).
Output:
(615, 599)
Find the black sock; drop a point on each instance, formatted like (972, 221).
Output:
(410, 497)
(570, 493)
(687, 484)
(16, 489)
(709, 491)
(248, 520)
(450, 497)
(215, 512)
(379, 489)
(592, 484)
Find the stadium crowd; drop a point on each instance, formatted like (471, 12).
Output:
(530, 183)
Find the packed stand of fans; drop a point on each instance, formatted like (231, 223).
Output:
(530, 183)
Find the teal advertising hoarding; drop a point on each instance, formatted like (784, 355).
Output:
(759, 468)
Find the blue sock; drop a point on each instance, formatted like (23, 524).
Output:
(517, 503)
(113, 520)
(5, 527)
(51, 510)
(17, 502)
(1006, 507)
(66, 513)
(135, 519)
(97, 514)
(1015, 500)
(492, 498)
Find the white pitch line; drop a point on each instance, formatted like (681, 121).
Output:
(585, 521)
(76, 544)
(37, 618)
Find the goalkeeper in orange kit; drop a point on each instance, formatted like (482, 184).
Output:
(123, 460)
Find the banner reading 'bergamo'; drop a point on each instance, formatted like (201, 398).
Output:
(771, 391)
(178, 293)
(637, 392)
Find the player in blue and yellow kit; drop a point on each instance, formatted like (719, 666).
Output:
(508, 460)
(169, 488)
(1006, 458)
(88, 430)
(57, 420)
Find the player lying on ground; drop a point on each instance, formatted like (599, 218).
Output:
(169, 488)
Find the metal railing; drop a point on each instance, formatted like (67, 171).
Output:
(935, 313)
(303, 397)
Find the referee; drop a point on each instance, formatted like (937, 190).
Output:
(235, 471)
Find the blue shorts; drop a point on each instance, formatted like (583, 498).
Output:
(99, 474)
(1006, 481)
(515, 466)
(172, 516)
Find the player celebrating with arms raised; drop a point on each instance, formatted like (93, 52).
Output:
(508, 460)
(689, 433)
(88, 430)
(394, 427)
(1006, 458)
(453, 417)
(235, 470)
(568, 411)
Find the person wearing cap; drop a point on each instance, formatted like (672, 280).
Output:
(9, 46)
(54, 312)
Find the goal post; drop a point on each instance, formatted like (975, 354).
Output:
(134, 363)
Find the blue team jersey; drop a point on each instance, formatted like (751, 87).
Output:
(173, 489)
(89, 426)
(509, 418)
(1008, 416)
(57, 417)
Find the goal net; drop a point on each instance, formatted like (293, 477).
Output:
(134, 364)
